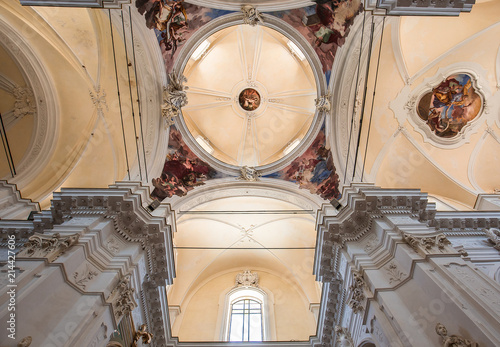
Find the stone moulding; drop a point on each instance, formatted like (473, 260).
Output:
(357, 295)
(50, 246)
(122, 203)
(427, 244)
(122, 299)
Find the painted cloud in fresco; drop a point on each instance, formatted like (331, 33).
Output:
(450, 105)
(324, 25)
(174, 23)
(182, 171)
(314, 170)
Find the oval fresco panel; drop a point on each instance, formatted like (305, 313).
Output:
(450, 105)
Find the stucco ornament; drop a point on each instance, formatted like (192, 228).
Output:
(174, 97)
(453, 340)
(357, 293)
(251, 15)
(122, 298)
(48, 246)
(247, 279)
(25, 101)
(249, 174)
(323, 103)
(344, 338)
(428, 244)
(493, 235)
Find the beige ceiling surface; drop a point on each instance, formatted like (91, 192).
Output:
(413, 50)
(232, 233)
(19, 129)
(241, 57)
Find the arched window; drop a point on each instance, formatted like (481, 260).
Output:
(245, 322)
(246, 315)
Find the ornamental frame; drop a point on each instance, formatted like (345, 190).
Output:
(406, 103)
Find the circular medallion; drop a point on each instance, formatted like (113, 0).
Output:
(249, 99)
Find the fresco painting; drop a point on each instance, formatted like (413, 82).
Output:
(314, 170)
(450, 105)
(174, 23)
(324, 25)
(183, 170)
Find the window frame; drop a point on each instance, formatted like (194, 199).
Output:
(252, 293)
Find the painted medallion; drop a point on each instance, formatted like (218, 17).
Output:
(450, 105)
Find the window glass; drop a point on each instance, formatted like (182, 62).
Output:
(245, 322)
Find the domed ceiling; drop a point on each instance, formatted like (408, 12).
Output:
(251, 95)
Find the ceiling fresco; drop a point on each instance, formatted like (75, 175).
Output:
(182, 171)
(314, 170)
(324, 25)
(450, 105)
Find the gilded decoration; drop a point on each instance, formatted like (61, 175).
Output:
(143, 335)
(450, 105)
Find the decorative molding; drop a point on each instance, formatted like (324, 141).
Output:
(395, 274)
(99, 99)
(323, 103)
(247, 279)
(84, 276)
(493, 235)
(113, 246)
(344, 338)
(25, 103)
(425, 7)
(453, 340)
(357, 295)
(371, 243)
(427, 244)
(174, 97)
(251, 15)
(48, 246)
(249, 174)
(122, 299)
(464, 222)
(46, 122)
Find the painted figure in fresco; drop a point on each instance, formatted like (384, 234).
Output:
(168, 17)
(315, 170)
(249, 99)
(182, 170)
(452, 104)
(325, 26)
(172, 22)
